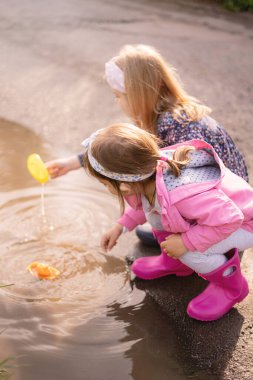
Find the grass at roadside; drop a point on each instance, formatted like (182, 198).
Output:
(238, 5)
(5, 365)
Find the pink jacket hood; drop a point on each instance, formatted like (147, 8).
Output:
(184, 191)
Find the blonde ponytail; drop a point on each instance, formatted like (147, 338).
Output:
(180, 159)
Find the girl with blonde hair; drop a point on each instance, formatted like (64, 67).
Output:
(149, 91)
(200, 212)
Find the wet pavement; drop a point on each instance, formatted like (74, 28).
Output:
(52, 96)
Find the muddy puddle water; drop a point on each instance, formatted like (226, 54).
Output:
(91, 323)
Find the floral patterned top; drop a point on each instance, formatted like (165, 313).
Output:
(171, 131)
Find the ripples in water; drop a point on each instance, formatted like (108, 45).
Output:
(66, 237)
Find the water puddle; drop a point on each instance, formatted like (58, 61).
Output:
(85, 315)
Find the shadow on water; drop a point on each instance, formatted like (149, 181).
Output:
(155, 353)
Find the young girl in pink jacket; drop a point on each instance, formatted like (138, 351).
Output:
(200, 212)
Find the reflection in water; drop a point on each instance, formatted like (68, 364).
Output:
(153, 350)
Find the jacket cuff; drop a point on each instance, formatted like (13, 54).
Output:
(187, 243)
(80, 157)
(127, 222)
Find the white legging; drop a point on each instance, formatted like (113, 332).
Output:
(214, 257)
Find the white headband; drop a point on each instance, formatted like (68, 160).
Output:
(115, 76)
(87, 144)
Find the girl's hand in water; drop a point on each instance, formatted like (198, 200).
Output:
(62, 166)
(109, 239)
(174, 246)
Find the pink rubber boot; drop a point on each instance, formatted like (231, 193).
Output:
(223, 292)
(151, 267)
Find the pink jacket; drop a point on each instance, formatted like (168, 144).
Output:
(203, 213)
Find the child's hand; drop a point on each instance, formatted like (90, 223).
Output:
(109, 239)
(174, 246)
(62, 166)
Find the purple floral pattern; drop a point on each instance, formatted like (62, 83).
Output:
(171, 131)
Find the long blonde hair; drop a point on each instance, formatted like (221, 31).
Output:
(125, 149)
(153, 87)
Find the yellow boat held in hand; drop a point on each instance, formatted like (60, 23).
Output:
(37, 168)
(43, 271)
